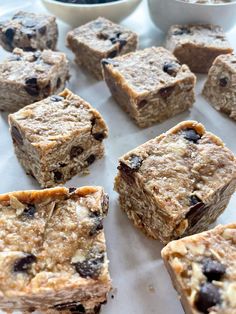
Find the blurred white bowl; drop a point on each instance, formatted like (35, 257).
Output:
(165, 13)
(78, 14)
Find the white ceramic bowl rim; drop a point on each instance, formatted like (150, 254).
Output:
(208, 4)
(113, 3)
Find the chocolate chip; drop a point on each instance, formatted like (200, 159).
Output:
(99, 136)
(105, 203)
(194, 200)
(90, 267)
(58, 82)
(74, 307)
(134, 163)
(191, 135)
(91, 159)
(97, 226)
(112, 54)
(56, 98)
(42, 30)
(213, 270)
(57, 176)
(31, 86)
(207, 297)
(122, 43)
(29, 49)
(29, 211)
(196, 211)
(29, 32)
(72, 190)
(142, 103)
(182, 31)
(170, 68)
(9, 34)
(23, 264)
(102, 36)
(16, 135)
(223, 81)
(166, 91)
(49, 43)
(109, 61)
(76, 151)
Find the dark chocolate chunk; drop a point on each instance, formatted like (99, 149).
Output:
(142, 103)
(9, 34)
(31, 86)
(76, 151)
(102, 36)
(170, 68)
(74, 307)
(29, 211)
(207, 297)
(72, 190)
(99, 136)
(105, 203)
(196, 211)
(91, 159)
(16, 135)
(166, 91)
(58, 82)
(223, 81)
(58, 176)
(194, 200)
(42, 30)
(112, 54)
(213, 270)
(191, 135)
(182, 31)
(132, 165)
(29, 32)
(23, 264)
(97, 226)
(91, 267)
(56, 98)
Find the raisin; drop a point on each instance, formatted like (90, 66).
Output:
(72, 190)
(170, 68)
(76, 151)
(207, 297)
(56, 98)
(58, 82)
(9, 34)
(23, 264)
(91, 159)
(213, 270)
(166, 91)
(42, 30)
(90, 267)
(74, 307)
(31, 86)
(29, 211)
(57, 176)
(99, 136)
(16, 135)
(223, 81)
(182, 31)
(112, 54)
(191, 135)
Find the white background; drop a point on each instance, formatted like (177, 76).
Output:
(141, 283)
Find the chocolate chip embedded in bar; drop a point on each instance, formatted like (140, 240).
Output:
(26, 77)
(47, 245)
(150, 84)
(202, 270)
(29, 31)
(219, 88)
(100, 39)
(178, 183)
(197, 45)
(58, 137)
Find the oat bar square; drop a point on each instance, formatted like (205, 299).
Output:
(58, 137)
(53, 250)
(29, 31)
(150, 84)
(197, 45)
(178, 183)
(100, 39)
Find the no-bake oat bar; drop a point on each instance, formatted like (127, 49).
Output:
(26, 77)
(100, 39)
(53, 252)
(202, 268)
(58, 137)
(178, 183)
(219, 88)
(150, 84)
(29, 31)
(197, 45)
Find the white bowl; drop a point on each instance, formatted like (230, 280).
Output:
(165, 13)
(79, 14)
